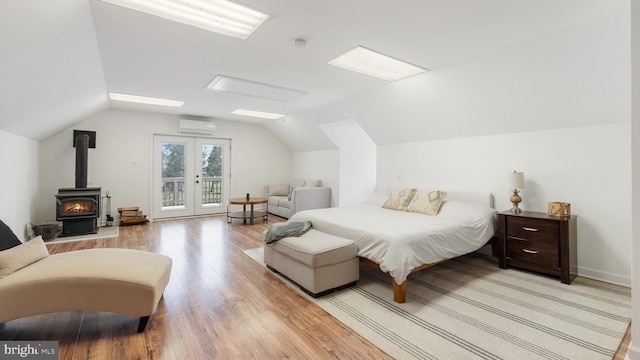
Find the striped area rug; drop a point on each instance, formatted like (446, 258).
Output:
(468, 308)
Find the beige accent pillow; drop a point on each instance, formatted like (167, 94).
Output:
(426, 202)
(279, 190)
(22, 255)
(399, 199)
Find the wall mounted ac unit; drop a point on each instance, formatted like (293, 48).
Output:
(197, 127)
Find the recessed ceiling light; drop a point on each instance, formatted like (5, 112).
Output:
(258, 114)
(145, 100)
(375, 64)
(220, 16)
(252, 88)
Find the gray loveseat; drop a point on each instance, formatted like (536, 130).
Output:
(287, 199)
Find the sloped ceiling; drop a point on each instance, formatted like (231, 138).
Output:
(60, 58)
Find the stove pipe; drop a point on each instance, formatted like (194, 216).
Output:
(82, 155)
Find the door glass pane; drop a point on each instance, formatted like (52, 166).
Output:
(212, 156)
(173, 172)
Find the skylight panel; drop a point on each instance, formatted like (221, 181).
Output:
(145, 100)
(219, 16)
(372, 63)
(253, 88)
(258, 114)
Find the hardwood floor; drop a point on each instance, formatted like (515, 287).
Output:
(219, 304)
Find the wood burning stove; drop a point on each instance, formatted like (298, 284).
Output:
(79, 210)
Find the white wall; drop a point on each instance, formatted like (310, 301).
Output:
(634, 346)
(323, 165)
(18, 182)
(121, 163)
(357, 161)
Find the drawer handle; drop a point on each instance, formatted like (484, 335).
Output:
(529, 251)
(529, 229)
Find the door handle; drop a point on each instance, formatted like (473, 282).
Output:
(529, 229)
(529, 251)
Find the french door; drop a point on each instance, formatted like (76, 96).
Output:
(190, 175)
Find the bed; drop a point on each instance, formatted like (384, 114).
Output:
(401, 242)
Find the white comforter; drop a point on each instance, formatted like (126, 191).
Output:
(400, 241)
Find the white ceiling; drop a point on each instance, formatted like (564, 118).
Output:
(60, 58)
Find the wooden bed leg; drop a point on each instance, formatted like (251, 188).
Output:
(143, 323)
(399, 291)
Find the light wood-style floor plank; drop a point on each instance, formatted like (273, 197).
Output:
(219, 304)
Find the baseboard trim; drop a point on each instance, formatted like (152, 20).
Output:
(605, 276)
(633, 353)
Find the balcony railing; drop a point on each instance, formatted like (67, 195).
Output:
(173, 190)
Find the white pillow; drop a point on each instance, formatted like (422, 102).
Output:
(376, 200)
(463, 209)
(22, 255)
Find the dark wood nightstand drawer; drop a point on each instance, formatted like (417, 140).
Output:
(534, 252)
(532, 229)
(538, 242)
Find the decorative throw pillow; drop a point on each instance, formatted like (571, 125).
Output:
(7, 238)
(426, 202)
(22, 255)
(399, 199)
(279, 190)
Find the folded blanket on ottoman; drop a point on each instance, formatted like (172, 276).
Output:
(282, 230)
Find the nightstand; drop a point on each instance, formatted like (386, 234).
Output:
(539, 242)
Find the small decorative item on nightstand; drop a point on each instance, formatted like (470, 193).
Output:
(516, 181)
(559, 208)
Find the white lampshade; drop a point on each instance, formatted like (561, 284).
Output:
(516, 180)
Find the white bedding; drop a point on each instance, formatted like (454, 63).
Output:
(400, 241)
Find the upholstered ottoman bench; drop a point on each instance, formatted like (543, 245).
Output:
(318, 262)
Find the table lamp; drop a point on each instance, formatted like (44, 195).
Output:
(516, 182)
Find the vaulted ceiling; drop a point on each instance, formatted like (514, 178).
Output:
(60, 58)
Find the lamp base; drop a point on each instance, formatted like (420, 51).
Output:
(515, 200)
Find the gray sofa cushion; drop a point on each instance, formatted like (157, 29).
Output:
(274, 200)
(284, 203)
(279, 201)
